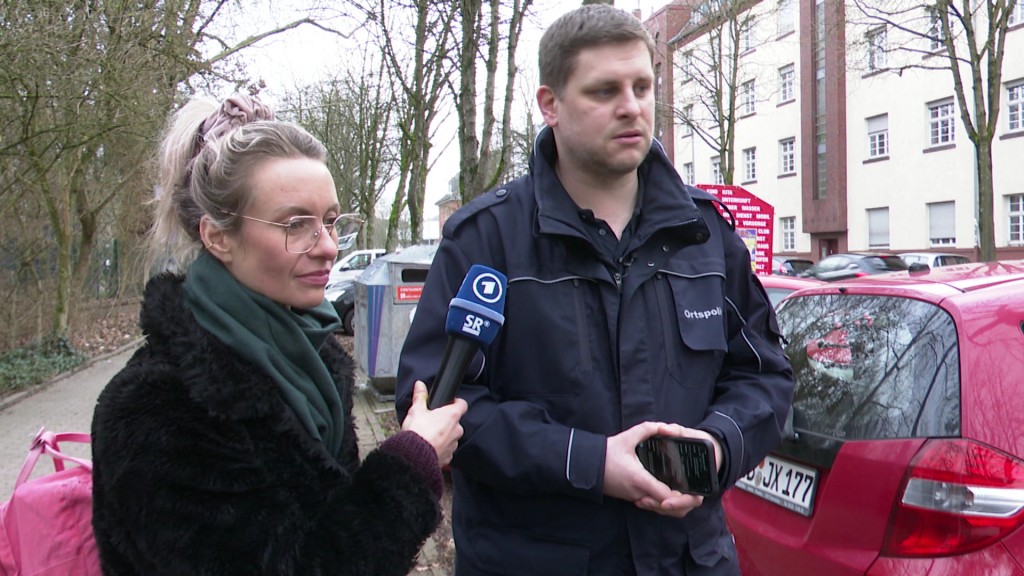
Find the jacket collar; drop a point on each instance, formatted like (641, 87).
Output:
(665, 203)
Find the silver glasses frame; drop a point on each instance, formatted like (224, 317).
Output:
(344, 241)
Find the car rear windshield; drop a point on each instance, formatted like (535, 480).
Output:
(872, 367)
(889, 263)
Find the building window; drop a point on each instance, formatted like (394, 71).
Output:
(941, 224)
(1017, 16)
(750, 164)
(687, 65)
(1015, 104)
(688, 177)
(687, 120)
(747, 105)
(877, 46)
(747, 34)
(786, 17)
(716, 170)
(786, 80)
(787, 156)
(1016, 213)
(788, 226)
(936, 36)
(878, 136)
(878, 228)
(941, 125)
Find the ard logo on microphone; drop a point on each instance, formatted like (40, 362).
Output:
(487, 288)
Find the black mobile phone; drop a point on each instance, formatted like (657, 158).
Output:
(684, 464)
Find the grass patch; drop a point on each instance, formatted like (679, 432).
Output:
(29, 365)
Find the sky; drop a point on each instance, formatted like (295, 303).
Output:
(299, 57)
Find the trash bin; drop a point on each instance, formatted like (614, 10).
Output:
(386, 295)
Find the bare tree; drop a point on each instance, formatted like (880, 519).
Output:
(714, 77)
(484, 162)
(353, 115)
(419, 64)
(966, 38)
(84, 91)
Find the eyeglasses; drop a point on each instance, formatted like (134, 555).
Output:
(301, 233)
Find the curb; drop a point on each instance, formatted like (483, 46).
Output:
(8, 401)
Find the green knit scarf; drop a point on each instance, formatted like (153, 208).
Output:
(282, 341)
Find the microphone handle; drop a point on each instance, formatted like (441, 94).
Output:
(457, 355)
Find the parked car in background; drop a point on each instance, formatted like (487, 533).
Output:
(843, 266)
(785, 266)
(778, 287)
(342, 296)
(905, 448)
(351, 265)
(933, 259)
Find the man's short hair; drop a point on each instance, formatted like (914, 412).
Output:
(585, 27)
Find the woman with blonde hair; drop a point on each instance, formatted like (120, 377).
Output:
(227, 444)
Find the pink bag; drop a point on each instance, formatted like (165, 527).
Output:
(46, 526)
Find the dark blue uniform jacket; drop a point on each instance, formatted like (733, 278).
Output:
(679, 331)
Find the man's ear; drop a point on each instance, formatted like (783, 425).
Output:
(215, 239)
(548, 103)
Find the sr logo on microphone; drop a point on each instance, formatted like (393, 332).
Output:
(487, 288)
(474, 324)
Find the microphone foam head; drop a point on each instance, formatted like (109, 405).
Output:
(477, 311)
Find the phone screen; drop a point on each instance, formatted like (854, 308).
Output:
(684, 464)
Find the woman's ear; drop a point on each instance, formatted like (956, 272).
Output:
(216, 241)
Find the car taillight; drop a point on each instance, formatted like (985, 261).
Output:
(958, 496)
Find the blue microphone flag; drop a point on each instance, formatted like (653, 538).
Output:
(477, 311)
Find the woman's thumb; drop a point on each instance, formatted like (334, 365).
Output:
(419, 393)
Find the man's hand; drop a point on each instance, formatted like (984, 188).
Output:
(627, 479)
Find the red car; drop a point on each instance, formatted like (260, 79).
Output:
(778, 287)
(906, 451)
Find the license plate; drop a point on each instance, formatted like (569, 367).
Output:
(787, 484)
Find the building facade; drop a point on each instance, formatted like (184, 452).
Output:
(839, 127)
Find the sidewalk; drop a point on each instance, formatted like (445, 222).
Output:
(65, 404)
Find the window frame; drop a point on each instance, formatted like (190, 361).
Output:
(878, 139)
(878, 231)
(750, 164)
(787, 158)
(716, 170)
(1015, 105)
(877, 41)
(936, 36)
(787, 83)
(1015, 219)
(938, 231)
(748, 105)
(788, 226)
(937, 121)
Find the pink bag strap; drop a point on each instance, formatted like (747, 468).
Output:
(49, 443)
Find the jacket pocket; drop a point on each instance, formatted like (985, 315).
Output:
(549, 343)
(694, 325)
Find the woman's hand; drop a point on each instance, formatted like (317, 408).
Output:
(440, 427)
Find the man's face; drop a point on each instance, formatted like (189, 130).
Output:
(602, 121)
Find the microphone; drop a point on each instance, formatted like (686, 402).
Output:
(474, 316)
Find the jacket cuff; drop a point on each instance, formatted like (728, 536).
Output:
(728, 433)
(584, 462)
(419, 454)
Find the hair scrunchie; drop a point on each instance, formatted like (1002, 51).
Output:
(235, 111)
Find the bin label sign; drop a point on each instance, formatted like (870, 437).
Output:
(410, 293)
(487, 287)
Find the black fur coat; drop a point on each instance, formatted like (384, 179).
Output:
(201, 469)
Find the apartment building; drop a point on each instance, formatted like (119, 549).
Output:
(840, 128)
